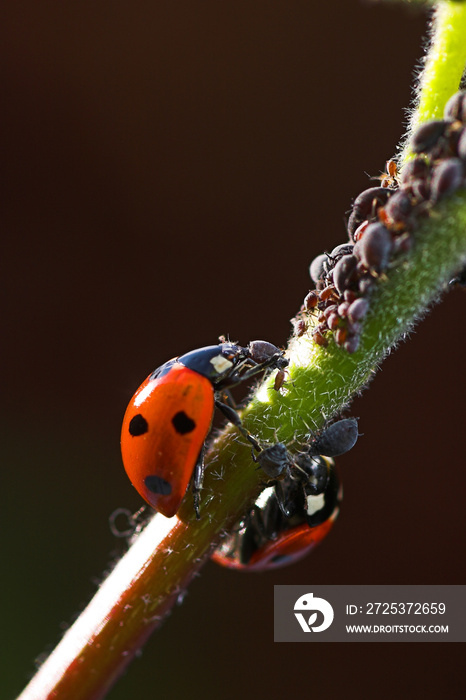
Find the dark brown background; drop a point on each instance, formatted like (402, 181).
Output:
(171, 169)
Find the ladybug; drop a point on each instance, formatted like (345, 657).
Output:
(284, 525)
(170, 415)
(295, 513)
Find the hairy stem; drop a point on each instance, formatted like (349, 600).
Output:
(444, 66)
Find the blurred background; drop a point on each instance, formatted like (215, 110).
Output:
(170, 170)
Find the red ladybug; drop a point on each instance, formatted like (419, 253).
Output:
(294, 514)
(168, 418)
(284, 524)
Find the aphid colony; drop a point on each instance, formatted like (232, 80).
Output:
(380, 228)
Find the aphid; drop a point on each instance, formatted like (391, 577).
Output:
(455, 108)
(343, 309)
(310, 301)
(319, 337)
(279, 379)
(427, 135)
(336, 439)
(299, 326)
(447, 178)
(331, 309)
(358, 309)
(375, 247)
(316, 268)
(349, 296)
(365, 207)
(351, 344)
(462, 145)
(273, 460)
(344, 275)
(327, 293)
(398, 210)
(360, 230)
(339, 251)
(341, 335)
(366, 284)
(388, 178)
(333, 321)
(415, 169)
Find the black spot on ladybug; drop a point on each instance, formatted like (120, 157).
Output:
(182, 423)
(138, 425)
(158, 485)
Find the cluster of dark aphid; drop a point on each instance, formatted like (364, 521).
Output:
(380, 228)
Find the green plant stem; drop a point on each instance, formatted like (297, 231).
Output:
(323, 380)
(444, 67)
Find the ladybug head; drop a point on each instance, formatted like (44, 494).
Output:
(216, 362)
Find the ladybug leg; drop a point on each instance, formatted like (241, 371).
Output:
(251, 537)
(282, 499)
(256, 521)
(234, 418)
(228, 397)
(276, 361)
(197, 481)
(260, 368)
